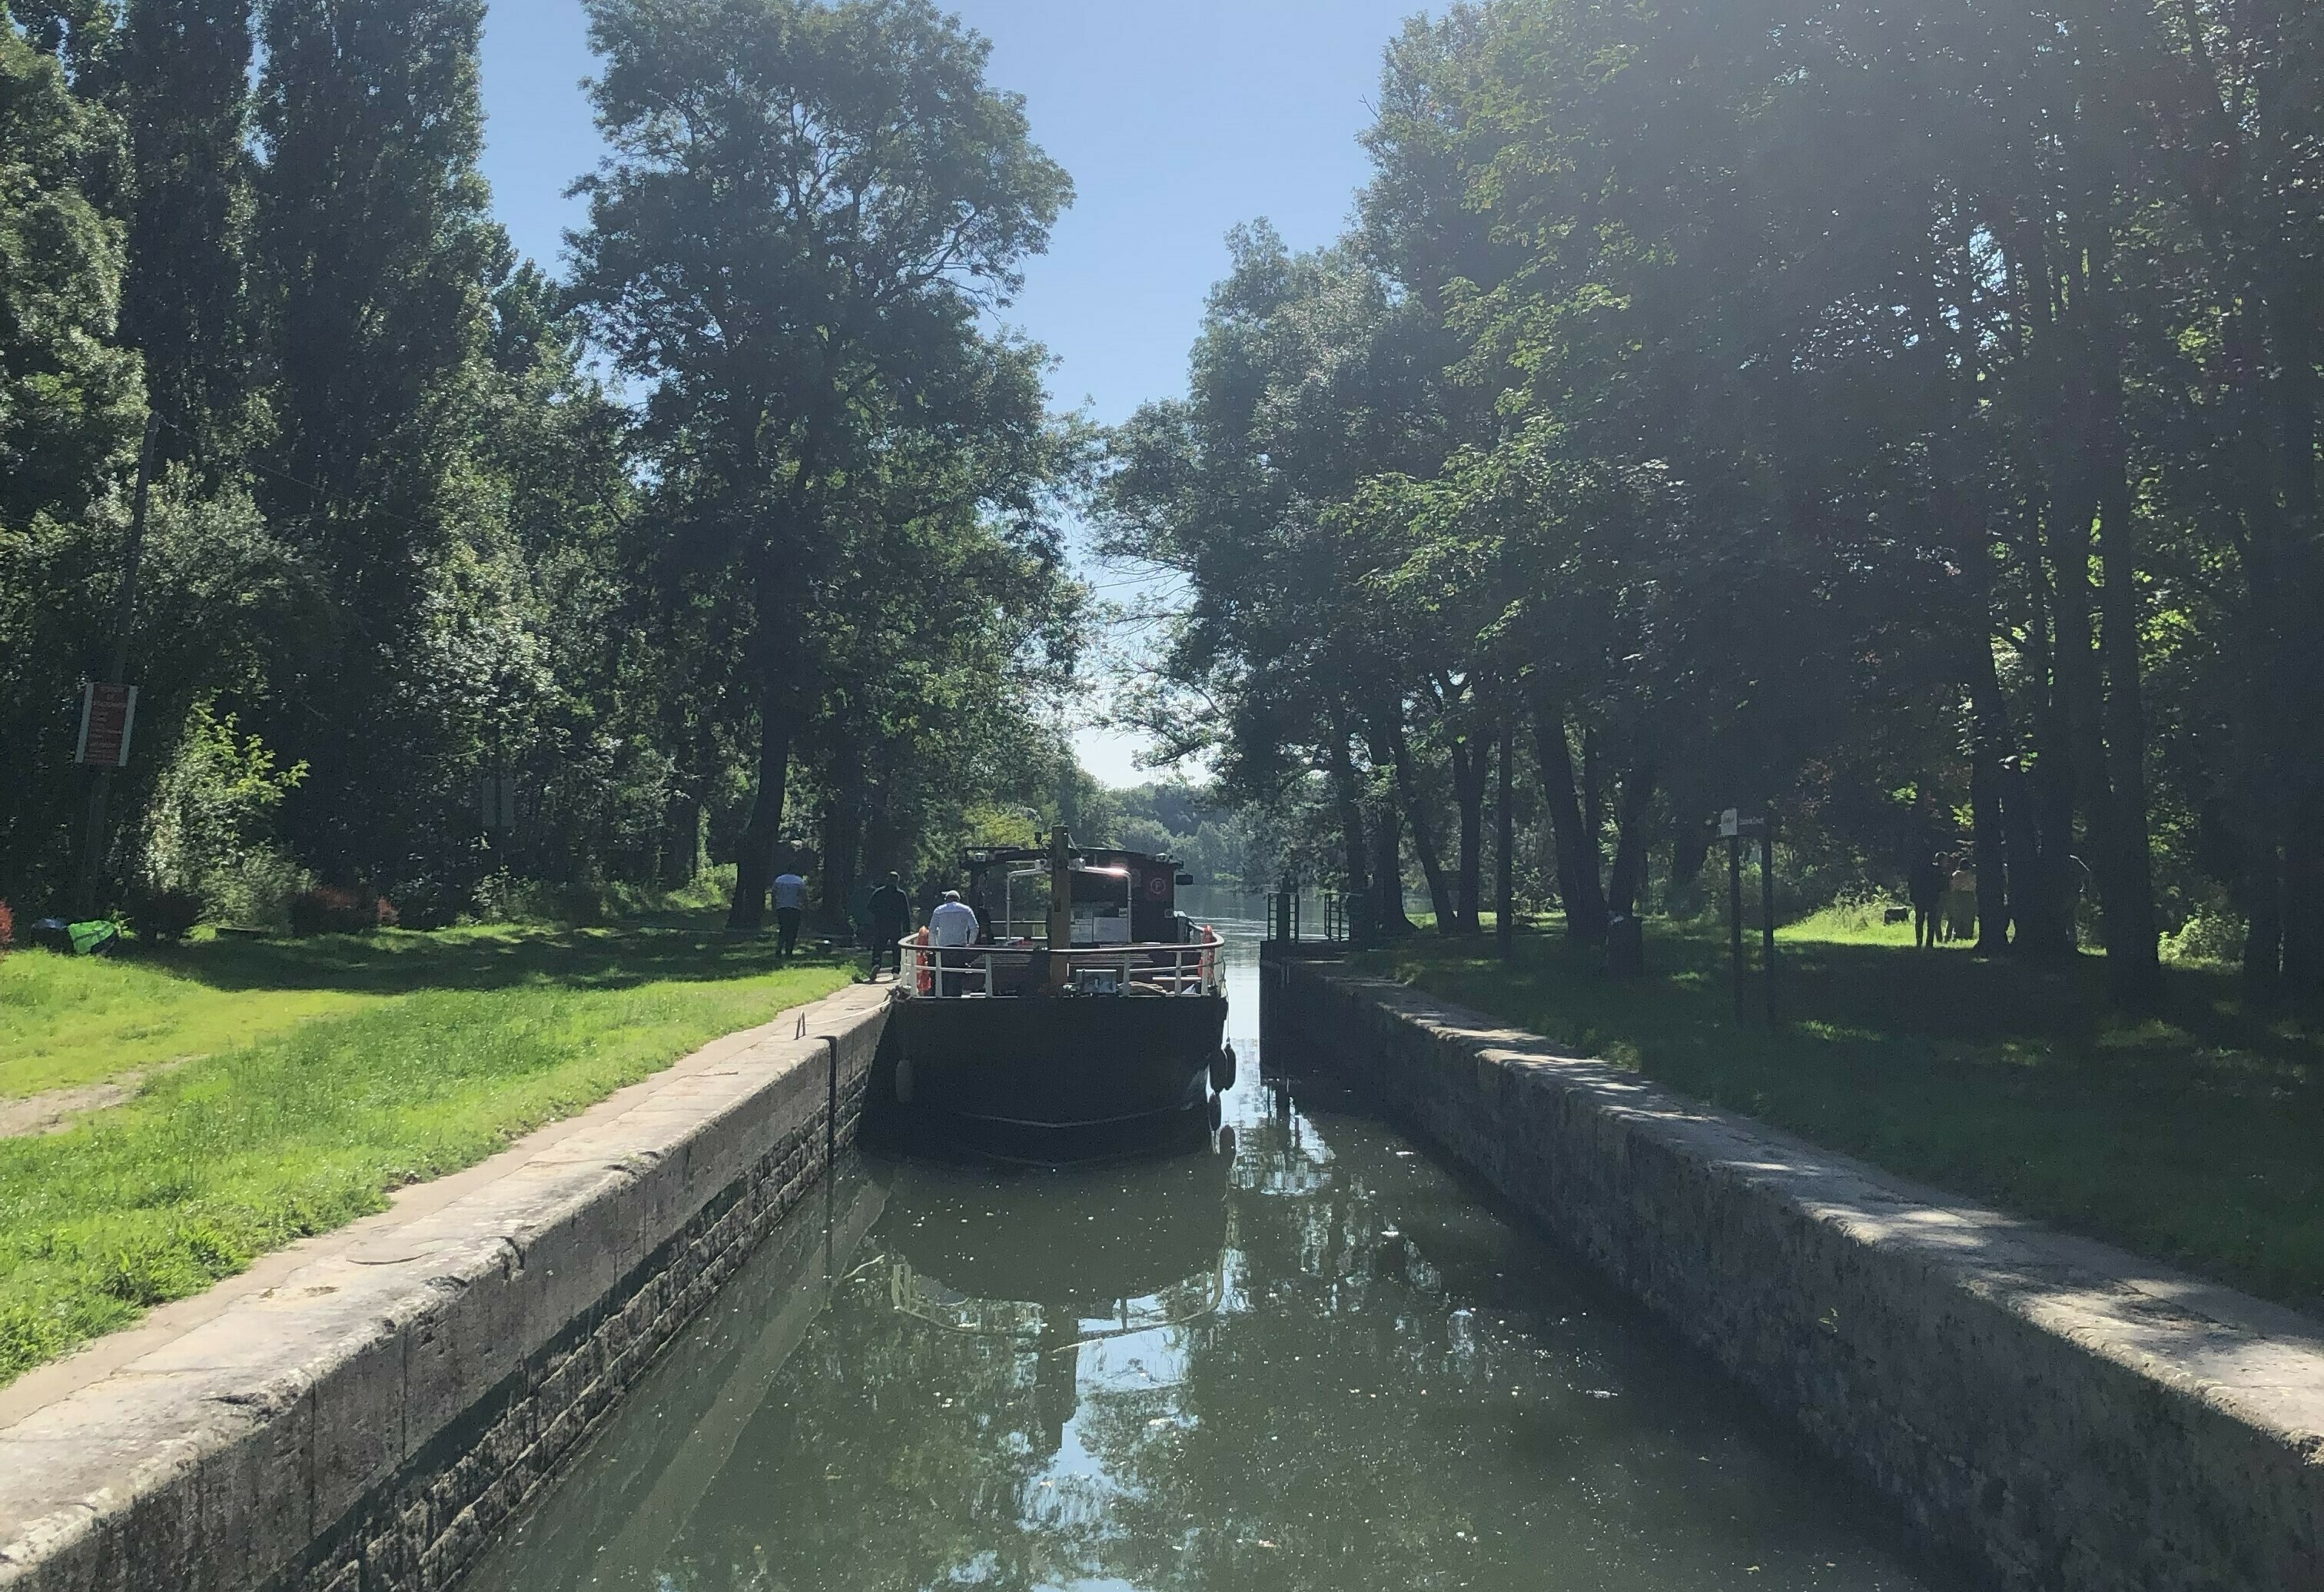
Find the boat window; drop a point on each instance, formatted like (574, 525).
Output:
(1026, 914)
(1101, 905)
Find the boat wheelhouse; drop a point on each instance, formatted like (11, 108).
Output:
(1087, 1001)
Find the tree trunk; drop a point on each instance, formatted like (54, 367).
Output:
(2263, 903)
(842, 836)
(1689, 852)
(1580, 888)
(1964, 507)
(1630, 843)
(1423, 841)
(1469, 755)
(1350, 806)
(682, 847)
(754, 853)
(2134, 966)
(1505, 846)
(2081, 690)
(1594, 796)
(2045, 886)
(2302, 912)
(1388, 916)
(1997, 860)
(2291, 637)
(881, 839)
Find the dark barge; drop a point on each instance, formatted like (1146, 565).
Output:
(1087, 1006)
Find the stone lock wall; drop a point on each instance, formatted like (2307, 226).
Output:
(370, 1423)
(2059, 1412)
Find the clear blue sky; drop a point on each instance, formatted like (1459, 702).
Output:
(1177, 118)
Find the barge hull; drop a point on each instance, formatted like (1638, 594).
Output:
(1066, 1063)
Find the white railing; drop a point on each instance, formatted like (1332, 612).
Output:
(1007, 968)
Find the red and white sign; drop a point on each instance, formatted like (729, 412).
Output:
(107, 714)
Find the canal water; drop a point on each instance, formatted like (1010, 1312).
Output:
(1306, 1355)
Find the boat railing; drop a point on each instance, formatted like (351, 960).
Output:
(1166, 968)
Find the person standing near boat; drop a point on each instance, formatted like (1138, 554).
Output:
(790, 908)
(891, 911)
(952, 927)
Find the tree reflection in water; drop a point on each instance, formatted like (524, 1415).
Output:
(1327, 1364)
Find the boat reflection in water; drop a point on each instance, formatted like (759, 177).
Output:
(1042, 1277)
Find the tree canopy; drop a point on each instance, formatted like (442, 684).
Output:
(1904, 420)
(798, 581)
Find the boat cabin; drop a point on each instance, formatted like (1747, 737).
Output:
(1119, 897)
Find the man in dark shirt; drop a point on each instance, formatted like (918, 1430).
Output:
(1927, 888)
(892, 913)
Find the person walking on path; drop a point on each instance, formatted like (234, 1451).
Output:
(1927, 889)
(790, 909)
(952, 927)
(890, 912)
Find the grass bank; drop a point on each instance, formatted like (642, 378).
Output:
(378, 1061)
(2190, 1135)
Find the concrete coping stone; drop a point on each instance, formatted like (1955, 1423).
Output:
(2263, 1362)
(267, 1406)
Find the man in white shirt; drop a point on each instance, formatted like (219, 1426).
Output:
(952, 926)
(790, 906)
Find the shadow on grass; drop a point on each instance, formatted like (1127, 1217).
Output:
(2188, 1132)
(675, 947)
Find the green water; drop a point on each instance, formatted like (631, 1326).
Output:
(1309, 1356)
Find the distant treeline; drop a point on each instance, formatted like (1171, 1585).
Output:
(424, 606)
(1902, 418)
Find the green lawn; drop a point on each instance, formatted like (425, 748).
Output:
(67, 1020)
(377, 1061)
(2195, 1135)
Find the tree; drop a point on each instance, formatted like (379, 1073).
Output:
(179, 76)
(70, 413)
(805, 210)
(377, 252)
(1308, 376)
(70, 407)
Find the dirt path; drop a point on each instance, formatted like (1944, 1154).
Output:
(53, 1112)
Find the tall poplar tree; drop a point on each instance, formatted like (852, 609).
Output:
(377, 250)
(69, 413)
(179, 76)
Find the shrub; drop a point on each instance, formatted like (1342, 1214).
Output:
(254, 890)
(429, 902)
(164, 914)
(328, 910)
(210, 811)
(2206, 937)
